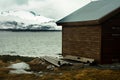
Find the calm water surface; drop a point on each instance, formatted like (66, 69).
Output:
(30, 43)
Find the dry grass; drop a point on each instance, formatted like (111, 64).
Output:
(83, 74)
(59, 73)
(3, 64)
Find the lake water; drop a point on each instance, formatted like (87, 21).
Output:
(30, 43)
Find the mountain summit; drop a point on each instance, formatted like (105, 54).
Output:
(26, 20)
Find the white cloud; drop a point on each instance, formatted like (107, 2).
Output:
(50, 8)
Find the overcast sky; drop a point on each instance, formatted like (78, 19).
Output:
(55, 9)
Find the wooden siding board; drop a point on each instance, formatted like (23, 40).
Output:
(111, 40)
(82, 41)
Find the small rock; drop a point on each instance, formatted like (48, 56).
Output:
(40, 72)
(60, 73)
(41, 75)
(56, 69)
(50, 67)
(43, 63)
(36, 61)
(86, 65)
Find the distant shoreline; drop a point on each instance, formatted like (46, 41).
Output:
(27, 30)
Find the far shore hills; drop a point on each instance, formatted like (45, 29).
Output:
(29, 30)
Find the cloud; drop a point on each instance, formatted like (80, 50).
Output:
(55, 9)
(21, 2)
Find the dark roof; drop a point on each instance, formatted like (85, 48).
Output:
(94, 11)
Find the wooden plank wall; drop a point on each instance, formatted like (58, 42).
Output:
(82, 41)
(111, 40)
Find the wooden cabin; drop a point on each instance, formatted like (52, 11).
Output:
(93, 31)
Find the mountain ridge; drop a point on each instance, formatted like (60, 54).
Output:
(26, 20)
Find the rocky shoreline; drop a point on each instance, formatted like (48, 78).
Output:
(34, 68)
(29, 30)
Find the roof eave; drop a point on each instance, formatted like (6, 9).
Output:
(92, 22)
(80, 23)
(108, 16)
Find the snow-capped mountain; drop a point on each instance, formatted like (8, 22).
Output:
(26, 20)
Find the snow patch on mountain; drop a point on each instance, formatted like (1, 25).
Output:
(26, 20)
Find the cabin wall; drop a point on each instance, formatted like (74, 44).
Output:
(111, 40)
(82, 41)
